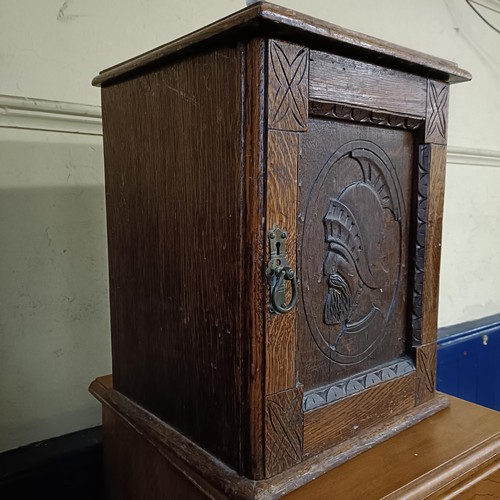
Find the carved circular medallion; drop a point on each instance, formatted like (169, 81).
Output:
(355, 214)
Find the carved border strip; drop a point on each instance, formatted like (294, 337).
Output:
(435, 202)
(288, 83)
(287, 115)
(281, 186)
(362, 115)
(325, 395)
(420, 233)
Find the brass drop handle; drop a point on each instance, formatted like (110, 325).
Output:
(277, 295)
(278, 271)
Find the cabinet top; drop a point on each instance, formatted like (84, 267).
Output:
(269, 20)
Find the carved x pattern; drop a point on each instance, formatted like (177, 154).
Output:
(288, 106)
(438, 101)
(283, 430)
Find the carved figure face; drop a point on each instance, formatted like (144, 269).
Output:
(338, 300)
(348, 308)
(340, 275)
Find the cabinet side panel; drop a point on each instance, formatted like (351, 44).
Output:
(174, 207)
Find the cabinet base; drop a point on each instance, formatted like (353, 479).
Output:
(168, 463)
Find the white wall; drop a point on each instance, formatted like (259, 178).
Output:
(54, 320)
(54, 326)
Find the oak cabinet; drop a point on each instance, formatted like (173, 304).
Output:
(274, 190)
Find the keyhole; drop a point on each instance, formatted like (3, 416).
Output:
(278, 244)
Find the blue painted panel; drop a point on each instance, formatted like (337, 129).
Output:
(468, 362)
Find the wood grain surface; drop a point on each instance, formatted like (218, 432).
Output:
(281, 210)
(273, 20)
(426, 373)
(454, 452)
(255, 243)
(130, 478)
(375, 189)
(172, 447)
(266, 119)
(174, 192)
(435, 202)
(456, 444)
(287, 110)
(284, 430)
(483, 484)
(288, 76)
(334, 423)
(436, 123)
(419, 233)
(345, 80)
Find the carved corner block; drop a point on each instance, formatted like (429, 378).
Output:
(437, 112)
(283, 430)
(288, 70)
(426, 373)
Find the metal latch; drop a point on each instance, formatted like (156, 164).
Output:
(278, 271)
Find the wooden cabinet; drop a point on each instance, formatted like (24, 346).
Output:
(274, 190)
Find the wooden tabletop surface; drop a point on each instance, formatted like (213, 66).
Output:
(421, 460)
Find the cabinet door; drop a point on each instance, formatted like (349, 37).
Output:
(354, 177)
(353, 242)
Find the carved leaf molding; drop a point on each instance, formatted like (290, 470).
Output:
(361, 115)
(344, 388)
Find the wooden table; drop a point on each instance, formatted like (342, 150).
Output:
(454, 452)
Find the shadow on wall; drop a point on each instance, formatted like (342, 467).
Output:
(54, 321)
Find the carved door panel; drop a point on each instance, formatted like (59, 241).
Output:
(352, 252)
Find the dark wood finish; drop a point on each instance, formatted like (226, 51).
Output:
(420, 231)
(141, 474)
(356, 413)
(284, 430)
(174, 192)
(354, 221)
(338, 140)
(362, 115)
(281, 209)
(255, 297)
(195, 463)
(435, 203)
(343, 80)
(273, 20)
(454, 451)
(288, 73)
(343, 388)
(426, 373)
(436, 127)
